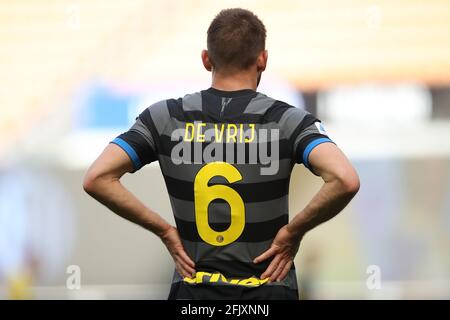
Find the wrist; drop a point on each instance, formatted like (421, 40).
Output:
(297, 232)
(163, 230)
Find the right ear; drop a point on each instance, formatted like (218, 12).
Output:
(205, 59)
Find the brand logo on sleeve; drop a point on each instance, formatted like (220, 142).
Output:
(321, 128)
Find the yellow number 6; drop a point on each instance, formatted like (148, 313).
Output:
(204, 194)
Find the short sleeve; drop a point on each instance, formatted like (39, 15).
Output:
(138, 142)
(303, 131)
(309, 134)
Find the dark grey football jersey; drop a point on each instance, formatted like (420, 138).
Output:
(226, 157)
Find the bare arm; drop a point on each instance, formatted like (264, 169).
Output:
(341, 183)
(102, 182)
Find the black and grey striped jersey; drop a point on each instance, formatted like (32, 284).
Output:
(226, 157)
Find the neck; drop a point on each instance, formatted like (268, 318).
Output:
(236, 81)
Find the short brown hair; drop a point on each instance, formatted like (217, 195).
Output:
(235, 38)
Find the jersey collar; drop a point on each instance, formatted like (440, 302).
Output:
(231, 94)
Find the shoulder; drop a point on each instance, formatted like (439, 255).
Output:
(173, 106)
(191, 101)
(157, 115)
(160, 113)
(289, 119)
(281, 111)
(162, 110)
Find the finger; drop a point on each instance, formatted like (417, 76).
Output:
(271, 268)
(184, 272)
(265, 255)
(180, 271)
(189, 270)
(285, 271)
(183, 255)
(280, 267)
(188, 265)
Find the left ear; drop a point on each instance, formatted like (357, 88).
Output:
(205, 59)
(261, 61)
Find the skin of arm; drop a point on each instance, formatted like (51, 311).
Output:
(341, 183)
(102, 182)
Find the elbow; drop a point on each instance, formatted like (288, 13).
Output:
(345, 180)
(90, 183)
(350, 183)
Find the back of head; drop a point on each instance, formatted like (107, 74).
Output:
(235, 39)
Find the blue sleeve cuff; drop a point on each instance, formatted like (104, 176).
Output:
(130, 152)
(310, 147)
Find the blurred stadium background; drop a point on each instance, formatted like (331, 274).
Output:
(75, 73)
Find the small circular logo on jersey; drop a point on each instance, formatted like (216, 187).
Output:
(219, 238)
